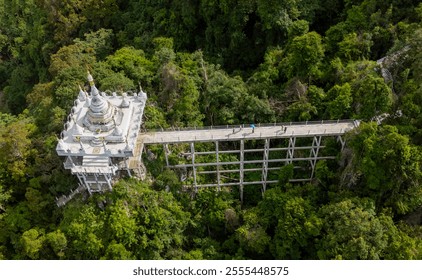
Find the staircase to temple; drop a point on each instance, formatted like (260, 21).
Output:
(95, 161)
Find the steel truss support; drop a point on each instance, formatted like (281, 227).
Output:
(218, 165)
(265, 165)
(342, 142)
(316, 144)
(96, 179)
(107, 177)
(291, 150)
(84, 182)
(192, 150)
(241, 169)
(166, 153)
(247, 162)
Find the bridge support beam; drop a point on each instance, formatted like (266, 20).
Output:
(241, 169)
(265, 165)
(291, 150)
(166, 153)
(218, 165)
(316, 144)
(342, 142)
(192, 150)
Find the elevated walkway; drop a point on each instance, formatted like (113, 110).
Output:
(236, 132)
(245, 155)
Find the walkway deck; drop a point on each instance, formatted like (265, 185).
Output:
(232, 133)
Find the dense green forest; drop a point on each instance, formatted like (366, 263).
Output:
(213, 62)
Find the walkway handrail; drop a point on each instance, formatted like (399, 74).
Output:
(248, 125)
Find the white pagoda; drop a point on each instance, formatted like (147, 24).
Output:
(99, 139)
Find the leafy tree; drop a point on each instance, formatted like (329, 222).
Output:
(32, 242)
(316, 97)
(296, 230)
(154, 117)
(121, 225)
(372, 97)
(26, 40)
(57, 241)
(41, 104)
(298, 28)
(387, 165)
(133, 63)
(263, 82)
(155, 221)
(293, 224)
(252, 236)
(18, 86)
(281, 15)
(226, 101)
(354, 47)
(14, 222)
(222, 98)
(401, 244)
(340, 101)
(168, 180)
(83, 227)
(285, 174)
(4, 197)
(351, 230)
(37, 202)
(180, 96)
(15, 149)
(116, 251)
(209, 210)
(69, 57)
(305, 55)
(301, 110)
(68, 19)
(205, 249)
(232, 28)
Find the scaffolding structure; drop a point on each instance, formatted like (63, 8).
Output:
(249, 155)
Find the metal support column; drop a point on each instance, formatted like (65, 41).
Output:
(342, 142)
(108, 179)
(166, 153)
(96, 180)
(81, 180)
(192, 150)
(71, 161)
(291, 150)
(86, 183)
(316, 144)
(218, 165)
(265, 165)
(242, 155)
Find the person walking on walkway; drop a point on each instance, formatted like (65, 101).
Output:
(253, 127)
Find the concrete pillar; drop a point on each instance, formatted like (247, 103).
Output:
(265, 165)
(192, 150)
(218, 165)
(242, 160)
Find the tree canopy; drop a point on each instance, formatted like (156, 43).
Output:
(207, 63)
